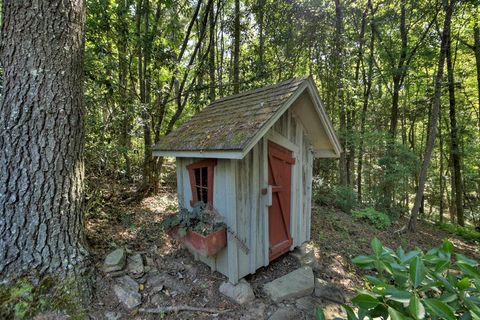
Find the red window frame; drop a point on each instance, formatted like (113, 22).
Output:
(195, 185)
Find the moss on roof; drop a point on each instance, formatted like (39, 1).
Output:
(230, 122)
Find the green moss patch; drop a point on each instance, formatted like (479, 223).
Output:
(24, 299)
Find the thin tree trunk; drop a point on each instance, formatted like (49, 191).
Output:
(343, 165)
(476, 46)
(211, 61)
(122, 30)
(412, 225)
(442, 184)
(41, 141)
(261, 39)
(454, 140)
(236, 49)
(367, 80)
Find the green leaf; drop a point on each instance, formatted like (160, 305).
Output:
(417, 271)
(442, 265)
(409, 256)
(468, 269)
(439, 309)
(464, 283)
(447, 246)
(448, 298)
(395, 315)
(416, 308)
(473, 308)
(319, 315)
(374, 280)
(365, 301)
(349, 311)
(363, 260)
(377, 247)
(466, 316)
(398, 295)
(462, 259)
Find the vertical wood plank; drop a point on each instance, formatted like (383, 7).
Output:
(308, 200)
(264, 212)
(180, 183)
(232, 220)
(299, 189)
(255, 194)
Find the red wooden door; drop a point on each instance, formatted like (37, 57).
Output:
(280, 163)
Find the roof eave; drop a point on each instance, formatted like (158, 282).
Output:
(220, 154)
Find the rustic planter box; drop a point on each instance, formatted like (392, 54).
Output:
(208, 245)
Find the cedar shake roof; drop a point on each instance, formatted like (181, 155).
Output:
(231, 123)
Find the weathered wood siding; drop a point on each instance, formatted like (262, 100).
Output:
(224, 202)
(237, 197)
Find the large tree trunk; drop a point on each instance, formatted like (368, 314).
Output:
(433, 116)
(454, 140)
(236, 49)
(41, 140)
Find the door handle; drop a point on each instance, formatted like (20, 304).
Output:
(268, 192)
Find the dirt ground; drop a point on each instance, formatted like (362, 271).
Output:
(136, 226)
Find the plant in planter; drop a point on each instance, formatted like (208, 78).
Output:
(200, 229)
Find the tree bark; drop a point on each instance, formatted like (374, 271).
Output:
(261, 39)
(367, 80)
(41, 140)
(448, 6)
(454, 140)
(211, 60)
(122, 42)
(476, 47)
(343, 165)
(236, 49)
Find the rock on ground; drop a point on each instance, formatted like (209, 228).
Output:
(135, 265)
(241, 293)
(126, 290)
(286, 314)
(307, 304)
(111, 315)
(329, 291)
(254, 310)
(293, 285)
(115, 260)
(306, 255)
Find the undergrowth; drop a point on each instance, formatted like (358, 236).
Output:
(24, 299)
(376, 218)
(467, 233)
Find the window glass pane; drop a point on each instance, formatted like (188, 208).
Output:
(204, 176)
(205, 195)
(197, 176)
(199, 194)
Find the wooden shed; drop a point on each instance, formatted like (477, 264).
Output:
(255, 150)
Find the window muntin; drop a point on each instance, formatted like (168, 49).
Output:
(201, 180)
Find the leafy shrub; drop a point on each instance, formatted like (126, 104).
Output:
(342, 197)
(321, 193)
(378, 219)
(417, 285)
(468, 233)
(345, 198)
(201, 219)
